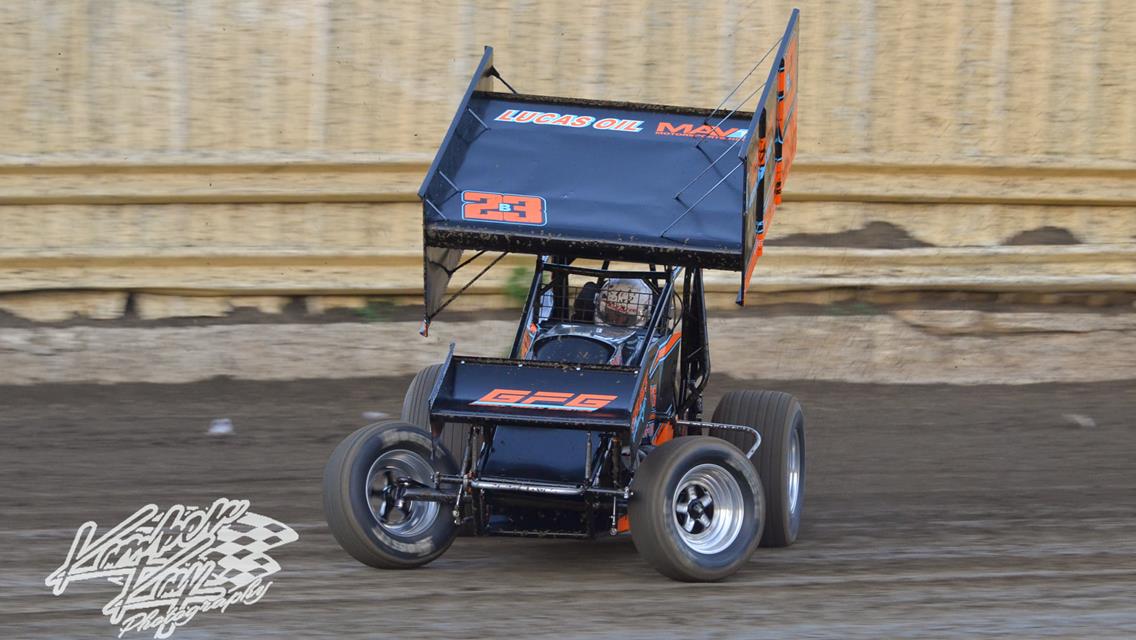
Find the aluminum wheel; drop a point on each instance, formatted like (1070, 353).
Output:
(794, 472)
(708, 508)
(400, 517)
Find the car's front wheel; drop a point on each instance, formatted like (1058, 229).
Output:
(362, 502)
(697, 509)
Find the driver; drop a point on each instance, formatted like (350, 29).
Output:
(624, 302)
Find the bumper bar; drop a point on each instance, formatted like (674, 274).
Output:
(543, 488)
(428, 494)
(730, 427)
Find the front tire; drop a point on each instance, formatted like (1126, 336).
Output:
(780, 460)
(360, 510)
(698, 509)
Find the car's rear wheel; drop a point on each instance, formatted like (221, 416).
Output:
(362, 504)
(416, 411)
(698, 509)
(780, 460)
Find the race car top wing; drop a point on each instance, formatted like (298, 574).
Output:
(769, 152)
(609, 180)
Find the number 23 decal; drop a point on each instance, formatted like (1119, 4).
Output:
(502, 207)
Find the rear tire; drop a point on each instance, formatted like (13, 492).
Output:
(416, 411)
(698, 509)
(371, 528)
(780, 460)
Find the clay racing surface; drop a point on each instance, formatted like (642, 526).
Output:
(932, 511)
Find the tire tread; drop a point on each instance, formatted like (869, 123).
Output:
(772, 414)
(416, 411)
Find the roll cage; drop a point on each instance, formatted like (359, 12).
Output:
(550, 282)
(545, 433)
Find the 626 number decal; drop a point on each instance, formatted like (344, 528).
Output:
(502, 207)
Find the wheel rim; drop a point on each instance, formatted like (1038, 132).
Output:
(794, 472)
(409, 518)
(708, 508)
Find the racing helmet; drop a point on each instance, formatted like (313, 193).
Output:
(624, 302)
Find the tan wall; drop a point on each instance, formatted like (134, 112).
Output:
(249, 145)
(893, 80)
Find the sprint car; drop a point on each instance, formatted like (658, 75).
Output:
(593, 425)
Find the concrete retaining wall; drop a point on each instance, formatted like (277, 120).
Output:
(956, 347)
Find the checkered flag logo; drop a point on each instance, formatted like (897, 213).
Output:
(174, 564)
(242, 550)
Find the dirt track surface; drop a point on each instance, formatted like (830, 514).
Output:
(932, 511)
